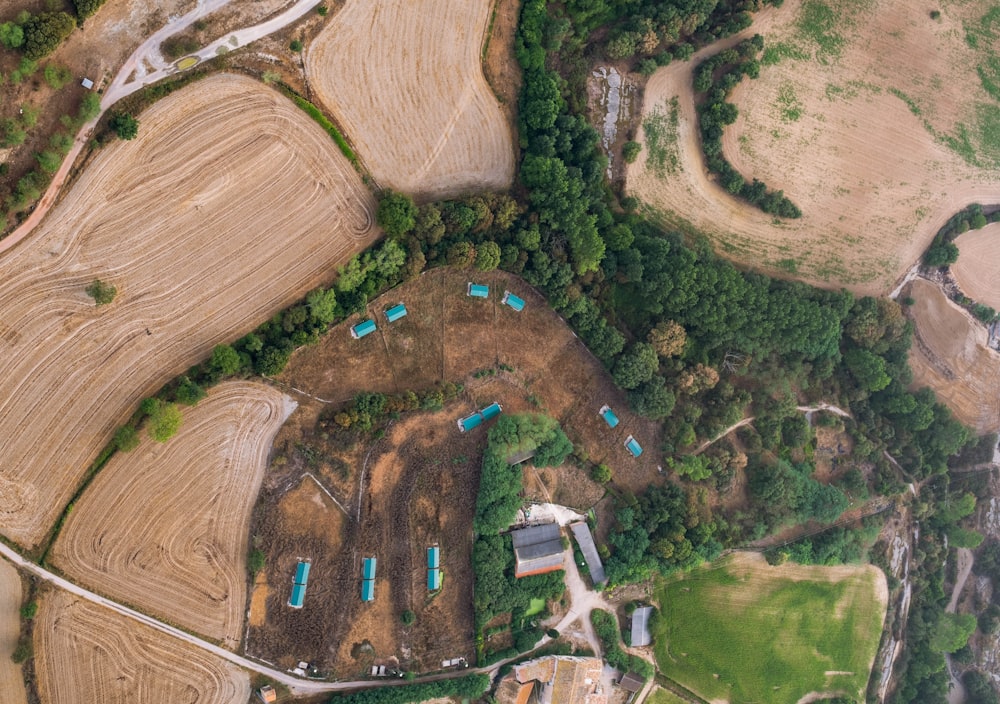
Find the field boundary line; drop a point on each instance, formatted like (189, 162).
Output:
(327, 492)
(289, 387)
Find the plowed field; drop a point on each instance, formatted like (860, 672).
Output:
(978, 267)
(874, 123)
(404, 80)
(949, 354)
(164, 527)
(11, 679)
(85, 654)
(230, 205)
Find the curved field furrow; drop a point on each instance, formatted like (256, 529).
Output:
(228, 207)
(854, 130)
(164, 527)
(85, 654)
(404, 80)
(978, 267)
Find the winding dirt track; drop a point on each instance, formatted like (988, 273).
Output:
(978, 267)
(86, 654)
(229, 206)
(164, 527)
(11, 679)
(872, 181)
(405, 81)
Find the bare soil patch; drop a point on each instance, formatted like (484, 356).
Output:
(405, 82)
(949, 355)
(229, 206)
(86, 654)
(978, 267)
(11, 677)
(500, 66)
(856, 138)
(164, 527)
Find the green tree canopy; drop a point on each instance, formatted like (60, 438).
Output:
(487, 256)
(44, 32)
(226, 360)
(124, 125)
(396, 213)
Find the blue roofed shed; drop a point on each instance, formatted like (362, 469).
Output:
(363, 328)
(609, 416)
(395, 313)
(369, 568)
(632, 446)
(298, 596)
(433, 580)
(368, 590)
(491, 411)
(433, 558)
(478, 290)
(470, 422)
(302, 573)
(513, 301)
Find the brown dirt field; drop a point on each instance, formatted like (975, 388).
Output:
(978, 267)
(500, 66)
(837, 135)
(405, 82)
(85, 654)
(949, 355)
(448, 336)
(11, 678)
(191, 223)
(164, 527)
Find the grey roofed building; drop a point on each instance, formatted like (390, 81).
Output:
(537, 549)
(640, 626)
(581, 531)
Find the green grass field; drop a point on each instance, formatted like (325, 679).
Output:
(535, 607)
(746, 632)
(662, 696)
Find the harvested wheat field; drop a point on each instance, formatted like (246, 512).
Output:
(164, 527)
(977, 270)
(949, 355)
(405, 82)
(85, 654)
(868, 114)
(229, 206)
(11, 677)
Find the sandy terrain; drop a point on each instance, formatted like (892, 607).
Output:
(11, 678)
(978, 267)
(405, 82)
(835, 133)
(228, 207)
(164, 527)
(85, 654)
(949, 354)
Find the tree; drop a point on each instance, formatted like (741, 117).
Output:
(941, 254)
(952, 632)
(396, 213)
(667, 338)
(323, 305)
(630, 151)
(102, 293)
(164, 421)
(487, 256)
(652, 399)
(408, 618)
(226, 360)
(636, 366)
(11, 35)
(124, 125)
(868, 369)
(601, 473)
(44, 32)
(86, 8)
(57, 76)
(126, 438)
(188, 392)
(461, 255)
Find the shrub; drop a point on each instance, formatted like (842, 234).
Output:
(101, 292)
(124, 125)
(11, 35)
(188, 392)
(126, 438)
(256, 561)
(630, 151)
(57, 76)
(86, 8)
(29, 610)
(22, 652)
(408, 618)
(164, 419)
(601, 473)
(295, 45)
(322, 10)
(44, 32)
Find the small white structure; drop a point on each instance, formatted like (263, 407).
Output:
(87, 83)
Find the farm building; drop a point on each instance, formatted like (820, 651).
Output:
(556, 680)
(632, 682)
(299, 582)
(537, 550)
(478, 290)
(87, 83)
(368, 580)
(395, 313)
(609, 416)
(433, 568)
(513, 301)
(267, 694)
(492, 411)
(479, 417)
(363, 328)
(640, 626)
(634, 448)
(584, 538)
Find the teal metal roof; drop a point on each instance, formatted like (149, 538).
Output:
(470, 422)
(369, 568)
(302, 573)
(632, 446)
(478, 290)
(491, 411)
(513, 301)
(298, 596)
(363, 328)
(368, 590)
(609, 417)
(433, 580)
(433, 557)
(395, 313)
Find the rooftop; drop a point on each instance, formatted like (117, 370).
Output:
(513, 301)
(609, 416)
(634, 448)
(368, 572)
(640, 626)
(395, 313)
(584, 538)
(564, 680)
(631, 682)
(537, 549)
(478, 290)
(363, 328)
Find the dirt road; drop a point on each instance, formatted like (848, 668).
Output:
(956, 691)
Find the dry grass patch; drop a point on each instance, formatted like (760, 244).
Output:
(11, 677)
(867, 113)
(978, 267)
(165, 526)
(405, 82)
(950, 355)
(85, 654)
(229, 206)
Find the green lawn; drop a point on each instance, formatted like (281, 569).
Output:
(746, 632)
(662, 696)
(535, 607)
